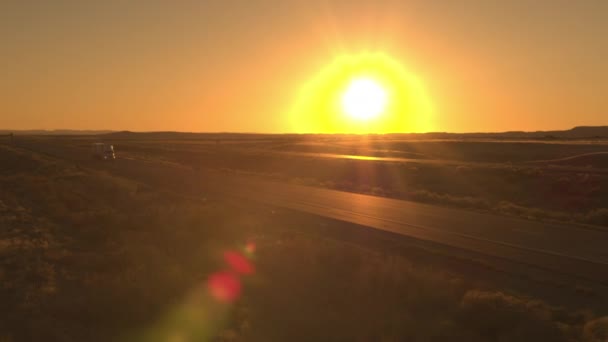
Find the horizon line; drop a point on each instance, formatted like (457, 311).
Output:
(109, 131)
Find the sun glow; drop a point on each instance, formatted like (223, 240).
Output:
(364, 99)
(366, 93)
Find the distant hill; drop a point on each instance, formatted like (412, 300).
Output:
(580, 132)
(587, 131)
(54, 132)
(184, 135)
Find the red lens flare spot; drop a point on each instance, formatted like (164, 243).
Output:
(224, 286)
(238, 262)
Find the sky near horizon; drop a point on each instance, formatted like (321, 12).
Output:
(242, 65)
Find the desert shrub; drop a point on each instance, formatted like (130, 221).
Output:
(508, 208)
(596, 330)
(14, 161)
(463, 169)
(318, 289)
(597, 216)
(306, 181)
(345, 185)
(495, 316)
(329, 184)
(445, 199)
(378, 191)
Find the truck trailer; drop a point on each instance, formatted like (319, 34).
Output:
(103, 151)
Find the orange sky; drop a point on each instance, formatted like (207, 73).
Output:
(487, 65)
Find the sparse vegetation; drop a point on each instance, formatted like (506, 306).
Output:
(325, 290)
(87, 255)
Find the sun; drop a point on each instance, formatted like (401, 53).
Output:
(364, 99)
(362, 93)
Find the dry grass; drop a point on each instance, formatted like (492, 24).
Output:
(312, 289)
(87, 256)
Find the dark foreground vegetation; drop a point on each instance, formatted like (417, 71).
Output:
(89, 256)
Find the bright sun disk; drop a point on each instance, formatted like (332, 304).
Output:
(364, 99)
(361, 94)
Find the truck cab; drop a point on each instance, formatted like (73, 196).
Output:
(103, 151)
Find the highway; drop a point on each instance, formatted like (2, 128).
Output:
(574, 250)
(564, 248)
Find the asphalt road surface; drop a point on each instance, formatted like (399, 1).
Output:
(574, 250)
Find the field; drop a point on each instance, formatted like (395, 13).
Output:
(548, 180)
(92, 251)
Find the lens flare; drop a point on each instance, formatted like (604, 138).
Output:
(224, 286)
(250, 248)
(203, 311)
(238, 262)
